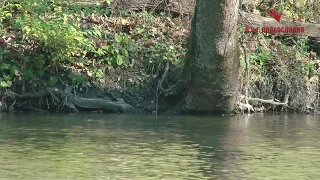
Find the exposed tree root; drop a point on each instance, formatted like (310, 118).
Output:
(250, 108)
(269, 101)
(165, 74)
(245, 107)
(75, 103)
(170, 90)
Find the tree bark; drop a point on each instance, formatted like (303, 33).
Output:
(212, 61)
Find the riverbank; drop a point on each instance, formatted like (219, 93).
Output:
(113, 60)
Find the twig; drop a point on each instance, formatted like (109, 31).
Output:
(156, 94)
(47, 103)
(12, 104)
(64, 102)
(23, 103)
(61, 81)
(157, 5)
(53, 95)
(157, 99)
(286, 97)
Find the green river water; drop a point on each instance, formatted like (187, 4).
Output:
(100, 146)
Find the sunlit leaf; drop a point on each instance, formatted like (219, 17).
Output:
(119, 60)
(118, 38)
(53, 80)
(14, 70)
(99, 73)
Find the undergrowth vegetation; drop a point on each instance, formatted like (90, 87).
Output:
(55, 43)
(280, 72)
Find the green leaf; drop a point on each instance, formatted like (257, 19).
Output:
(131, 48)
(99, 73)
(27, 29)
(27, 59)
(88, 84)
(28, 74)
(3, 84)
(80, 79)
(41, 72)
(9, 83)
(140, 30)
(118, 38)
(97, 32)
(45, 37)
(100, 51)
(14, 70)
(39, 62)
(53, 80)
(119, 60)
(4, 65)
(8, 15)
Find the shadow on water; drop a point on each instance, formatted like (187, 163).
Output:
(99, 146)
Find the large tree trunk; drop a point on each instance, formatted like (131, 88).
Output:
(212, 60)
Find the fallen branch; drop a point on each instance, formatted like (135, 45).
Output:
(270, 101)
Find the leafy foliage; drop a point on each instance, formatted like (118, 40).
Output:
(67, 41)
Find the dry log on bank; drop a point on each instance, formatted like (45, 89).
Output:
(310, 29)
(75, 103)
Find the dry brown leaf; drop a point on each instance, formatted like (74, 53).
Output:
(272, 42)
(253, 49)
(149, 43)
(124, 22)
(178, 55)
(178, 34)
(313, 55)
(256, 12)
(302, 19)
(133, 24)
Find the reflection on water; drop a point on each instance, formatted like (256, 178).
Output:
(91, 146)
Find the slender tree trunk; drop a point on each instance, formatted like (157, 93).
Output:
(212, 61)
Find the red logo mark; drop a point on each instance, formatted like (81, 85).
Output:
(275, 16)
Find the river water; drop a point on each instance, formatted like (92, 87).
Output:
(99, 146)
